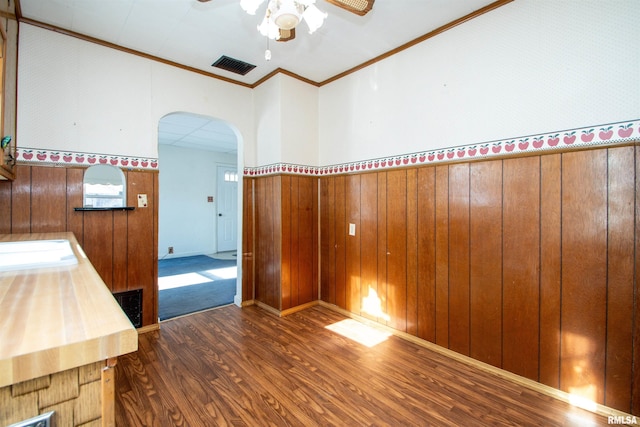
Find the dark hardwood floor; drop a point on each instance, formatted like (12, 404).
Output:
(247, 367)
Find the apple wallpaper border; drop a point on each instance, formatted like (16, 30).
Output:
(627, 131)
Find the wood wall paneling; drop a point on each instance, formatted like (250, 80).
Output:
(526, 263)
(288, 230)
(327, 240)
(426, 254)
(584, 203)
(412, 252)
(5, 206)
(584, 273)
(248, 232)
(458, 266)
(383, 316)
(635, 375)
(120, 262)
(21, 201)
(620, 278)
(295, 273)
(299, 241)
(485, 262)
(48, 199)
(550, 269)
(340, 226)
(98, 241)
(353, 271)
(142, 254)
(283, 229)
(268, 240)
(368, 235)
(121, 245)
(397, 249)
(521, 266)
(74, 199)
(315, 263)
(441, 202)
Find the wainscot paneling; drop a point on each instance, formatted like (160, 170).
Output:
(283, 238)
(525, 263)
(121, 245)
(248, 240)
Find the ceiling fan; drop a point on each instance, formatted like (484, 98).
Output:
(282, 16)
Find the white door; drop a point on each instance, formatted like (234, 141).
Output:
(227, 208)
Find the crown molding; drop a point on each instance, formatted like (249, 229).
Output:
(496, 4)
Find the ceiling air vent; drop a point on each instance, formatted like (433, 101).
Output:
(233, 65)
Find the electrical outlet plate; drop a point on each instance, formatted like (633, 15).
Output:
(142, 200)
(44, 420)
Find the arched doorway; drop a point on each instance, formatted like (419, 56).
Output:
(198, 185)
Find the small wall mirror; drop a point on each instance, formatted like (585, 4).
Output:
(104, 186)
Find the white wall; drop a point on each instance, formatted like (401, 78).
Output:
(268, 116)
(299, 122)
(286, 112)
(186, 220)
(532, 66)
(79, 96)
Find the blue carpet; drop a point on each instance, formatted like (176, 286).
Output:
(215, 292)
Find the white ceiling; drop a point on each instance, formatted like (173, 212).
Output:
(195, 34)
(197, 132)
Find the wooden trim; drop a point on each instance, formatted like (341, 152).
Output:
(347, 6)
(437, 31)
(268, 308)
(148, 328)
(287, 73)
(420, 39)
(298, 308)
(525, 382)
(128, 50)
(108, 393)
(248, 303)
(281, 313)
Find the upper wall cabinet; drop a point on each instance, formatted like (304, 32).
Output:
(8, 88)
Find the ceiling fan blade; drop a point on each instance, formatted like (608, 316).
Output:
(287, 35)
(359, 7)
(204, 1)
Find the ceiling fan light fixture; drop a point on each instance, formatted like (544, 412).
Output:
(268, 29)
(286, 14)
(314, 18)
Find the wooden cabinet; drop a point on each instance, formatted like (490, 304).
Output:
(8, 90)
(7, 163)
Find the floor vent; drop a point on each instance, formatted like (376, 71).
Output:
(131, 303)
(233, 65)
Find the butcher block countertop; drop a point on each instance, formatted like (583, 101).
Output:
(57, 318)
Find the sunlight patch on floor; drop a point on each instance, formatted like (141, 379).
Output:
(224, 273)
(188, 279)
(180, 280)
(359, 332)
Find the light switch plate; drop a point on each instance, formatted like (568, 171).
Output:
(352, 229)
